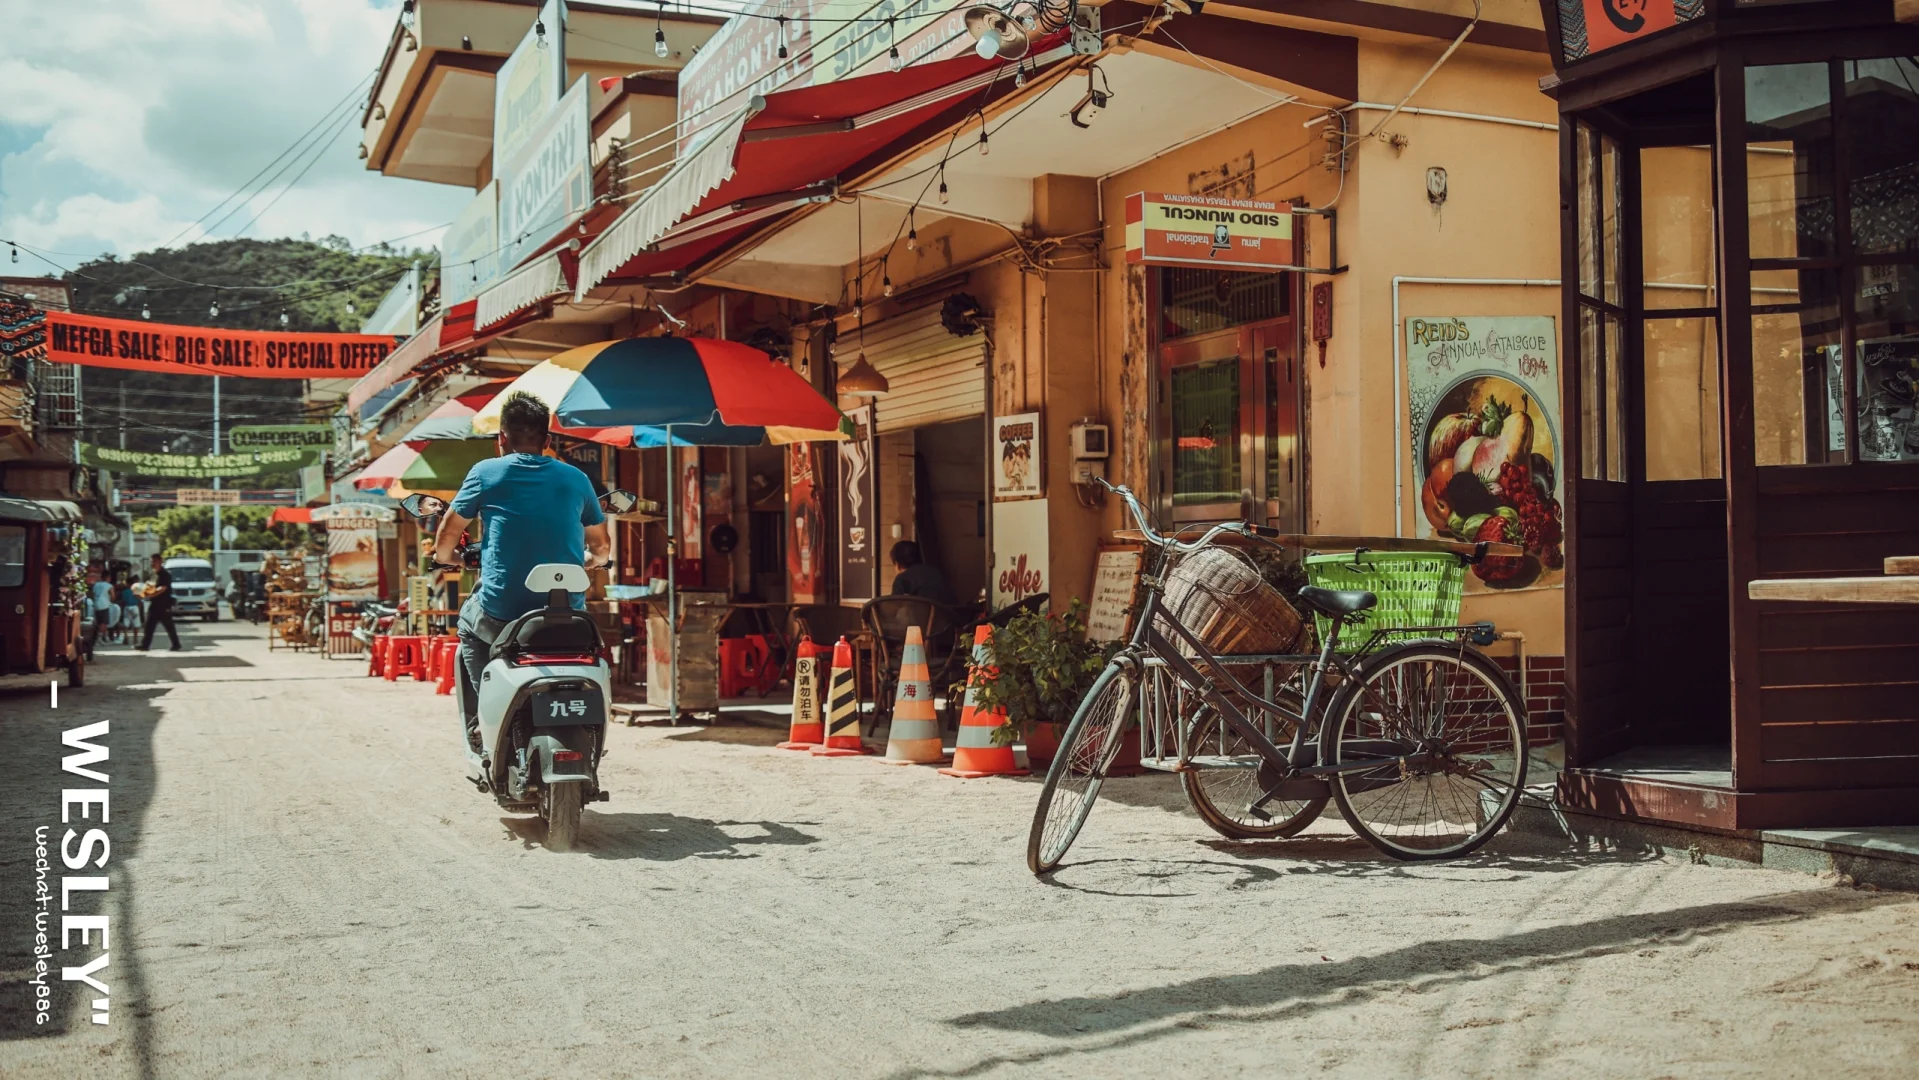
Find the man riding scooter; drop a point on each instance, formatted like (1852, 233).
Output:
(533, 509)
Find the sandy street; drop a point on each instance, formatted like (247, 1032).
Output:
(303, 884)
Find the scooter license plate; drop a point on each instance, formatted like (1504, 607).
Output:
(567, 707)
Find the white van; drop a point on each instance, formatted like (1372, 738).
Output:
(194, 590)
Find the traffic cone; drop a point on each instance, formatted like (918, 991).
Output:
(842, 708)
(808, 729)
(914, 738)
(974, 754)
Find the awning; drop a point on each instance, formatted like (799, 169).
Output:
(398, 365)
(783, 150)
(539, 280)
(37, 510)
(291, 515)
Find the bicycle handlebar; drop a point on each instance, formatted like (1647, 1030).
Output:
(1138, 510)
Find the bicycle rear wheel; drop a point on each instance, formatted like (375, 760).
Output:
(1223, 794)
(1086, 750)
(1448, 735)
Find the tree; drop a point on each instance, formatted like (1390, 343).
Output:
(187, 531)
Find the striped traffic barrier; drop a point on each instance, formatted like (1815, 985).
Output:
(809, 728)
(842, 707)
(914, 738)
(974, 754)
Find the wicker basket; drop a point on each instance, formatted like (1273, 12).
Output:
(1415, 588)
(1218, 594)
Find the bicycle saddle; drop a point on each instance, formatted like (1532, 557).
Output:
(1336, 603)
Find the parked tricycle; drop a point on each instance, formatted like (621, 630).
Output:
(40, 630)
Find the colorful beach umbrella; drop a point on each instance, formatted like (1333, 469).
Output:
(454, 418)
(429, 466)
(621, 389)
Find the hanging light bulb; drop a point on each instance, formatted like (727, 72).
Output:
(406, 11)
(886, 284)
(912, 233)
(942, 187)
(146, 312)
(283, 318)
(781, 20)
(15, 251)
(213, 310)
(984, 149)
(659, 44)
(539, 33)
(893, 57)
(350, 309)
(1019, 76)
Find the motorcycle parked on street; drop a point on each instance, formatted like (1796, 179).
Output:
(543, 695)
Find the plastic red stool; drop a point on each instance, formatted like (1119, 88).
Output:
(741, 659)
(446, 654)
(437, 657)
(376, 656)
(406, 655)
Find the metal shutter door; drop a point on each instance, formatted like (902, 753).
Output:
(935, 376)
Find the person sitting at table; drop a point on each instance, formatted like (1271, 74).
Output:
(917, 578)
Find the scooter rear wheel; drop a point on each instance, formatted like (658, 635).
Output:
(560, 806)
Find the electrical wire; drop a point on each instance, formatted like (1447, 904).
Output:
(336, 122)
(319, 151)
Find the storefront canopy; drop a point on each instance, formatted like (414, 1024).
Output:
(783, 150)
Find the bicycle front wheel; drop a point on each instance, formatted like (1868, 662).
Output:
(1445, 736)
(1086, 751)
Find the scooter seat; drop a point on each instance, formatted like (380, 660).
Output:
(548, 630)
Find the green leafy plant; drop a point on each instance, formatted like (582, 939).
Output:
(1045, 665)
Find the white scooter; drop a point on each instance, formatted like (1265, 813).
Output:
(543, 695)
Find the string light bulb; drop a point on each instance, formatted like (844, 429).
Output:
(213, 310)
(942, 186)
(781, 20)
(350, 309)
(283, 318)
(14, 251)
(984, 148)
(912, 233)
(886, 284)
(893, 57)
(146, 312)
(659, 33)
(539, 33)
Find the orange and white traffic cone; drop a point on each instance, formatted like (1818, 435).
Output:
(809, 728)
(974, 754)
(842, 708)
(914, 738)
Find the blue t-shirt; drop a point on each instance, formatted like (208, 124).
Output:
(532, 510)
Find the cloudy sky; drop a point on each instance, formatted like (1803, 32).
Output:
(125, 121)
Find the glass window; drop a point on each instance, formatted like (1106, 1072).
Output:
(1886, 320)
(191, 573)
(1615, 398)
(1195, 300)
(1797, 386)
(1206, 428)
(1677, 242)
(1789, 143)
(1601, 397)
(1681, 380)
(13, 556)
(1882, 154)
(1585, 150)
(1612, 243)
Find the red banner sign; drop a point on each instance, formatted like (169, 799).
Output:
(1201, 230)
(138, 345)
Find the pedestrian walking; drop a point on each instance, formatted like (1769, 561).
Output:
(129, 609)
(100, 596)
(160, 607)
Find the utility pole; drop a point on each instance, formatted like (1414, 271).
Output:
(123, 416)
(216, 450)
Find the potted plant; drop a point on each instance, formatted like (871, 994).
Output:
(1044, 667)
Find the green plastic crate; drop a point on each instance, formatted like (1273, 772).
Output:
(1415, 588)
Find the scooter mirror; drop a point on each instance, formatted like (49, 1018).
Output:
(423, 505)
(619, 501)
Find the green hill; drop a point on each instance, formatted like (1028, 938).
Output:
(316, 280)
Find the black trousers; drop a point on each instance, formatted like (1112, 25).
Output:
(160, 615)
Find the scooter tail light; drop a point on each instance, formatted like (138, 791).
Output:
(566, 755)
(534, 659)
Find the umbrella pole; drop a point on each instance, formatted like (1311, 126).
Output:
(672, 584)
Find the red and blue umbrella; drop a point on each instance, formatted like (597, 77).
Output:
(708, 392)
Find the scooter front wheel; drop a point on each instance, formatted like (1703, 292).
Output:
(560, 806)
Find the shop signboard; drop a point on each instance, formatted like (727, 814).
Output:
(1486, 457)
(261, 436)
(1887, 398)
(1115, 582)
(470, 249)
(399, 310)
(207, 497)
(1204, 230)
(548, 181)
(529, 83)
(825, 41)
(1016, 446)
(138, 345)
(353, 548)
(198, 466)
(1020, 550)
(859, 546)
(691, 509)
(805, 525)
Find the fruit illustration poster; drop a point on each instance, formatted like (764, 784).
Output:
(1484, 399)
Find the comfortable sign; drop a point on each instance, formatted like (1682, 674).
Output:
(262, 436)
(138, 345)
(197, 466)
(549, 181)
(1201, 230)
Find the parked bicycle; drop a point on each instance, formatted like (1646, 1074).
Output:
(1416, 735)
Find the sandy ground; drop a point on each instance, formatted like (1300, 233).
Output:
(303, 884)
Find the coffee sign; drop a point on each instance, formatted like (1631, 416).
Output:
(1020, 550)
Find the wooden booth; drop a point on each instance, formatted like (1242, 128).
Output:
(1723, 434)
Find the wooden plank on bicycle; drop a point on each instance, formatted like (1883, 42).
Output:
(1340, 542)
